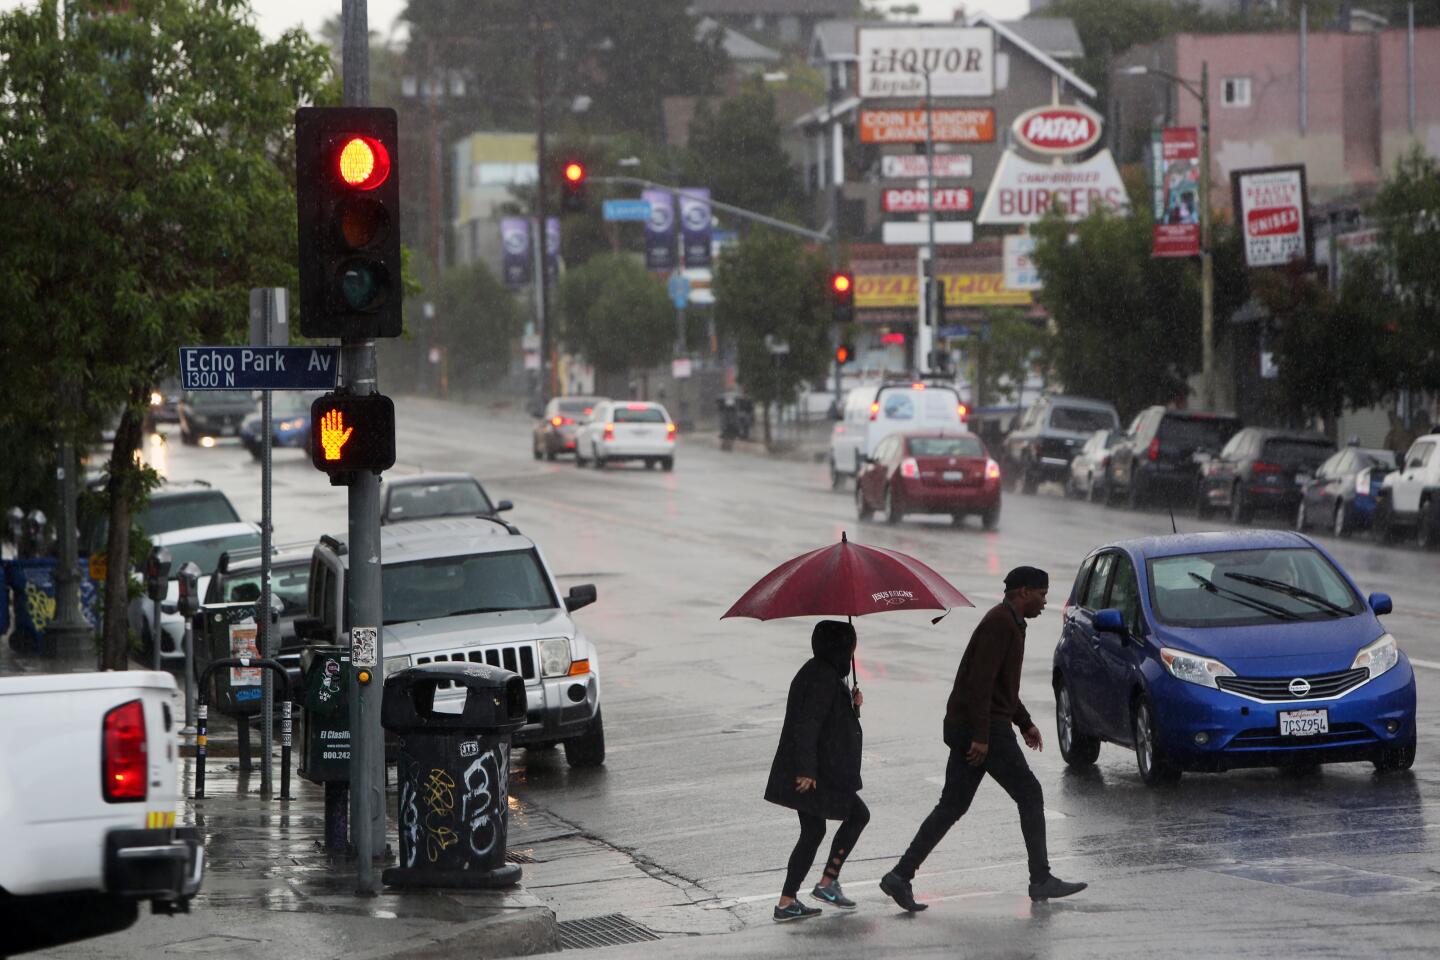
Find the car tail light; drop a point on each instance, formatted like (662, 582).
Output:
(963, 410)
(1154, 452)
(1260, 466)
(567, 421)
(670, 432)
(556, 421)
(609, 432)
(1362, 483)
(909, 469)
(636, 406)
(875, 410)
(992, 470)
(917, 386)
(125, 761)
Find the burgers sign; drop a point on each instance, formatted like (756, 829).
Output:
(1058, 130)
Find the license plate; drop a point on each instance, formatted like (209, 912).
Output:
(1304, 723)
(1301, 479)
(953, 476)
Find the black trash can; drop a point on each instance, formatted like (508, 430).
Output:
(453, 770)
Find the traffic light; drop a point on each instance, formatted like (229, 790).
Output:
(572, 186)
(350, 433)
(844, 354)
(842, 296)
(347, 191)
(939, 301)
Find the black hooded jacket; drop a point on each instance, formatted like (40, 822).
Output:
(821, 736)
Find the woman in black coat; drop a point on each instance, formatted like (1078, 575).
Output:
(817, 767)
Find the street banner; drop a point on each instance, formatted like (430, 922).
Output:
(908, 126)
(1272, 205)
(552, 247)
(910, 200)
(911, 166)
(695, 219)
(1059, 130)
(894, 62)
(1175, 183)
(660, 230)
(1022, 191)
(961, 289)
(515, 240)
(1019, 257)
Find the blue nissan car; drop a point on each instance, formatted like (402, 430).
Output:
(1212, 651)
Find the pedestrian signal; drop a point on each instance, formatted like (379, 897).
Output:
(350, 433)
(844, 354)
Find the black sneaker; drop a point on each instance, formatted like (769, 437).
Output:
(1053, 888)
(833, 895)
(898, 889)
(796, 911)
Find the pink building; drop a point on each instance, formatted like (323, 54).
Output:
(1347, 105)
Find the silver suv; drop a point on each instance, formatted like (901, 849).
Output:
(474, 589)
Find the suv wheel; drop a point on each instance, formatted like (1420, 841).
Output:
(1079, 750)
(1155, 769)
(588, 749)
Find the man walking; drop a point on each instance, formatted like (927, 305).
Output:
(978, 718)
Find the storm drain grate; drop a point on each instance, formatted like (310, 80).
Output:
(515, 856)
(610, 930)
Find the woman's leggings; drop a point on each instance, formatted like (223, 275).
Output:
(812, 831)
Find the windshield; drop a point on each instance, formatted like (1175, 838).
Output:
(206, 553)
(642, 415)
(1288, 450)
(1247, 587)
(1081, 420)
(452, 498)
(1194, 432)
(290, 584)
(168, 514)
(576, 408)
(946, 447)
(452, 586)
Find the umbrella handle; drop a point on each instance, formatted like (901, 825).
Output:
(854, 685)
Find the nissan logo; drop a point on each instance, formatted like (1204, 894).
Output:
(1299, 687)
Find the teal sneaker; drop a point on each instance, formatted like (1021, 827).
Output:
(833, 895)
(796, 911)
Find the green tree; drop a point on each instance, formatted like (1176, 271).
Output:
(735, 150)
(617, 315)
(147, 156)
(771, 286)
(1004, 356)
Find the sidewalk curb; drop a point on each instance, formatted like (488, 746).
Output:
(511, 932)
(799, 453)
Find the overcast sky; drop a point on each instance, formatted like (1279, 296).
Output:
(276, 15)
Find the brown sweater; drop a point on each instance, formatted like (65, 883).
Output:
(987, 685)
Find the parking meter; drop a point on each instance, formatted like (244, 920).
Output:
(187, 578)
(157, 573)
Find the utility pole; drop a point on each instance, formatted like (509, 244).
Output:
(1207, 256)
(932, 273)
(837, 160)
(363, 595)
(542, 282)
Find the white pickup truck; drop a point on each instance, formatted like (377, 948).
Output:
(88, 799)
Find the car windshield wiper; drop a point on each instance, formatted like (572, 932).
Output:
(1279, 613)
(1290, 590)
(468, 610)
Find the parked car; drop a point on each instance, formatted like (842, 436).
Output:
(172, 506)
(1041, 447)
(618, 431)
(289, 422)
(211, 414)
(1410, 497)
(476, 590)
(1341, 496)
(165, 401)
(1260, 469)
(1091, 461)
(555, 431)
(1158, 454)
(930, 473)
(237, 580)
(873, 412)
(1213, 651)
(428, 496)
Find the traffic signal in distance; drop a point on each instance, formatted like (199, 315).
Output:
(842, 296)
(572, 186)
(939, 301)
(347, 192)
(351, 433)
(844, 354)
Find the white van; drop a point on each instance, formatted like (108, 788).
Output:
(872, 413)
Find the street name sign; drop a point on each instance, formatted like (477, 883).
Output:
(626, 210)
(259, 368)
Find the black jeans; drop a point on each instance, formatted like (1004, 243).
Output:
(812, 831)
(1006, 765)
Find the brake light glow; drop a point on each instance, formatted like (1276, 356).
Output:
(670, 432)
(963, 410)
(556, 421)
(125, 760)
(1154, 452)
(636, 406)
(992, 470)
(609, 431)
(875, 410)
(917, 386)
(909, 469)
(1260, 466)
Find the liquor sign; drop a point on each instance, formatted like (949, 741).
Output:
(960, 62)
(908, 126)
(911, 166)
(1024, 191)
(1175, 180)
(1272, 205)
(946, 200)
(1058, 131)
(1019, 256)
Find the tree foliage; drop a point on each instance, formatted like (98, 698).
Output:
(617, 315)
(147, 160)
(735, 149)
(1005, 355)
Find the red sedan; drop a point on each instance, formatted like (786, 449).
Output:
(930, 473)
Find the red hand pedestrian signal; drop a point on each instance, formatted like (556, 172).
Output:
(333, 434)
(351, 433)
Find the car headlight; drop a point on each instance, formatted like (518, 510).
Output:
(291, 424)
(1194, 669)
(395, 664)
(554, 658)
(156, 398)
(1378, 656)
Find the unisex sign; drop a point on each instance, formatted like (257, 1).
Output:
(911, 166)
(946, 200)
(258, 368)
(1271, 204)
(908, 126)
(959, 60)
(1022, 191)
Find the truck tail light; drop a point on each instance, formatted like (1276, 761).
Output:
(609, 432)
(125, 761)
(963, 410)
(909, 469)
(875, 411)
(1154, 452)
(556, 421)
(670, 432)
(992, 470)
(1260, 466)
(1362, 483)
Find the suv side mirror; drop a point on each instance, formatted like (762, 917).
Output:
(1110, 621)
(581, 595)
(1381, 604)
(504, 505)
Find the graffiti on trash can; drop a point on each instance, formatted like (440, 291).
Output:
(483, 805)
(440, 799)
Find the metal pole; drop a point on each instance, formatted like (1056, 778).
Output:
(1207, 267)
(1304, 67)
(542, 292)
(189, 675)
(202, 714)
(262, 613)
(69, 637)
(931, 272)
(1410, 65)
(357, 363)
(157, 635)
(837, 159)
(286, 729)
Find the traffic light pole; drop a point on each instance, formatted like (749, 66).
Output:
(357, 367)
(542, 281)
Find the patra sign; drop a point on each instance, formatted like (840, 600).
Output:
(1058, 131)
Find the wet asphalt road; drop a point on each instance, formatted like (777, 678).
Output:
(672, 831)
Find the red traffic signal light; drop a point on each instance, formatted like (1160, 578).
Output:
(572, 186)
(351, 433)
(842, 296)
(574, 172)
(348, 204)
(842, 285)
(844, 354)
